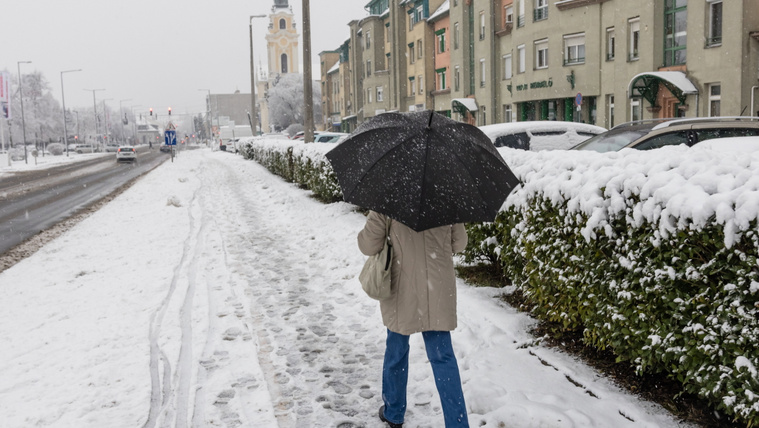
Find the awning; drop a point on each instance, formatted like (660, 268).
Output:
(464, 105)
(646, 85)
(352, 117)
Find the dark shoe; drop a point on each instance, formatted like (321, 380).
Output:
(382, 418)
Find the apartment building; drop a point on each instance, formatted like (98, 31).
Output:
(596, 61)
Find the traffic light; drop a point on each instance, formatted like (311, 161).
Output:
(169, 111)
(151, 111)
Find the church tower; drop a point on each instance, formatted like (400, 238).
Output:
(282, 40)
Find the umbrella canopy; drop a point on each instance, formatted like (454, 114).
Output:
(423, 170)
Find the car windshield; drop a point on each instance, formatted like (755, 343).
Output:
(613, 140)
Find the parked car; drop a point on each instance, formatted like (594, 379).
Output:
(540, 134)
(656, 133)
(732, 144)
(330, 137)
(126, 153)
(85, 148)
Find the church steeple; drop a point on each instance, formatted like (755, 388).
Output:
(280, 4)
(282, 40)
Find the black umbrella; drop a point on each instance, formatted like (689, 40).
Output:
(423, 170)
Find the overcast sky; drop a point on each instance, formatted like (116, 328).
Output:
(157, 53)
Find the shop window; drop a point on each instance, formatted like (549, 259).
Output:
(636, 113)
(507, 113)
(541, 54)
(675, 32)
(574, 49)
(715, 96)
(715, 22)
(634, 29)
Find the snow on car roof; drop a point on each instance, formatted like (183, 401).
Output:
(497, 129)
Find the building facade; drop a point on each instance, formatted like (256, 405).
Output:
(595, 61)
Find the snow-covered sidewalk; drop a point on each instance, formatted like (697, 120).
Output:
(214, 294)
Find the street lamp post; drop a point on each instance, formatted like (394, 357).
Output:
(63, 100)
(121, 112)
(253, 112)
(95, 109)
(105, 124)
(21, 95)
(210, 114)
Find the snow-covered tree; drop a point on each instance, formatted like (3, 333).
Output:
(285, 98)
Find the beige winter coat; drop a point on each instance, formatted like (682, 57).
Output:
(423, 279)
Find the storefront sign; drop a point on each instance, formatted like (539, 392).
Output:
(535, 85)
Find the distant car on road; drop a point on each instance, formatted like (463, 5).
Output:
(126, 153)
(656, 133)
(540, 134)
(85, 148)
(165, 148)
(112, 148)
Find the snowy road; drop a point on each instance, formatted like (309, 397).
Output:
(213, 294)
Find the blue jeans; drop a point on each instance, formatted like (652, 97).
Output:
(444, 367)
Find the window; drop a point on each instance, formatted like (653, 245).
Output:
(282, 24)
(380, 97)
(610, 114)
(509, 14)
(541, 10)
(456, 32)
(283, 64)
(368, 68)
(441, 42)
(441, 83)
(421, 84)
(413, 86)
(369, 95)
(455, 3)
(541, 54)
(610, 44)
(520, 17)
(634, 25)
(715, 23)
(507, 67)
(715, 95)
(411, 53)
(368, 39)
(675, 32)
(574, 49)
(483, 73)
(456, 78)
(507, 113)
(522, 58)
(635, 111)
(482, 25)
(419, 50)
(483, 116)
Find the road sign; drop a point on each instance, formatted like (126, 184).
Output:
(171, 137)
(578, 99)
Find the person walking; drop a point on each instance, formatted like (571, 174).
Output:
(423, 301)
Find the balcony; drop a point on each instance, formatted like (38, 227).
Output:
(574, 61)
(506, 30)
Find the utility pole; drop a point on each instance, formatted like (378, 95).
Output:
(95, 109)
(63, 100)
(308, 135)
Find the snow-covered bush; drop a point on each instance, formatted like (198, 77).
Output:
(297, 162)
(56, 149)
(652, 254)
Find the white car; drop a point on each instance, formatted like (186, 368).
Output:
(85, 148)
(329, 137)
(540, 134)
(126, 153)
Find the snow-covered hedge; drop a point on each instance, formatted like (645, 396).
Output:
(652, 254)
(297, 162)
